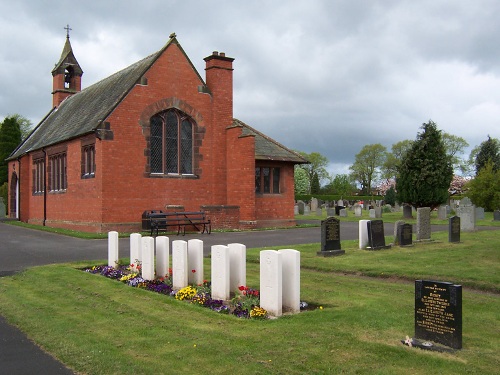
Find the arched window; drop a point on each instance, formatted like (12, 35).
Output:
(171, 149)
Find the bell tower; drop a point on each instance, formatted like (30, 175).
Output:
(66, 75)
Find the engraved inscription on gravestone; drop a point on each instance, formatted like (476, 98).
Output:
(376, 239)
(330, 237)
(438, 312)
(454, 229)
(405, 233)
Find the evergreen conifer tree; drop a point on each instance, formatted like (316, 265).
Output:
(426, 171)
(10, 137)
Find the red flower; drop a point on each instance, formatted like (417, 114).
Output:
(193, 271)
(242, 288)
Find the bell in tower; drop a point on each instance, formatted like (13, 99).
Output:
(66, 75)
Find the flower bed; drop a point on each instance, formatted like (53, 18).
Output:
(245, 305)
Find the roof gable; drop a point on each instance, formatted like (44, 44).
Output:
(84, 112)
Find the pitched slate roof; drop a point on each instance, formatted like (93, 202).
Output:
(267, 148)
(84, 112)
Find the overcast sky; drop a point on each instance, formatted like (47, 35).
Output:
(326, 76)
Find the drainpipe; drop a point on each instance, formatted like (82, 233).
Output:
(44, 186)
(18, 193)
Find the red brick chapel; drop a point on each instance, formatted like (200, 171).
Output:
(153, 136)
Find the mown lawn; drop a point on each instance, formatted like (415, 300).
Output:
(100, 326)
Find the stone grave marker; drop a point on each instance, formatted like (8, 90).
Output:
(237, 266)
(376, 238)
(363, 233)
(296, 209)
(496, 215)
(423, 223)
(405, 235)
(113, 249)
(330, 212)
(372, 213)
(378, 212)
(479, 213)
(195, 261)
(358, 210)
(307, 210)
(467, 214)
(442, 213)
(301, 207)
(135, 249)
(396, 231)
(179, 264)
(454, 229)
(319, 211)
(337, 210)
(162, 256)
(220, 272)
(271, 282)
(290, 280)
(343, 212)
(438, 313)
(330, 238)
(407, 212)
(314, 204)
(148, 258)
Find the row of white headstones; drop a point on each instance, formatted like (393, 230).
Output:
(279, 269)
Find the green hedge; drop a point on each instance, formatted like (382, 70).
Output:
(336, 197)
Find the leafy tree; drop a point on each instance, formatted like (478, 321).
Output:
(455, 146)
(489, 150)
(484, 190)
(315, 187)
(341, 184)
(301, 181)
(10, 137)
(426, 171)
(393, 159)
(367, 165)
(24, 124)
(317, 164)
(390, 196)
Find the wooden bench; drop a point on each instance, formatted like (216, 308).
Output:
(167, 220)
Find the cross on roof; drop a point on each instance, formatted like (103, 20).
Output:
(67, 28)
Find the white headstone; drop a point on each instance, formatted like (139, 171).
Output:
(220, 272)
(467, 214)
(179, 264)
(343, 213)
(195, 261)
(358, 210)
(148, 258)
(162, 256)
(271, 282)
(113, 249)
(296, 209)
(135, 249)
(363, 234)
(237, 266)
(372, 213)
(290, 280)
(314, 204)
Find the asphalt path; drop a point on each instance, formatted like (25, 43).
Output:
(22, 248)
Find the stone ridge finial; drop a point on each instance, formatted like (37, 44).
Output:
(171, 36)
(67, 28)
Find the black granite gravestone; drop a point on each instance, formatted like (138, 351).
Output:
(454, 229)
(405, 235)
(376, 239)
(496, 215)
(438, 313)
(330, 237)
